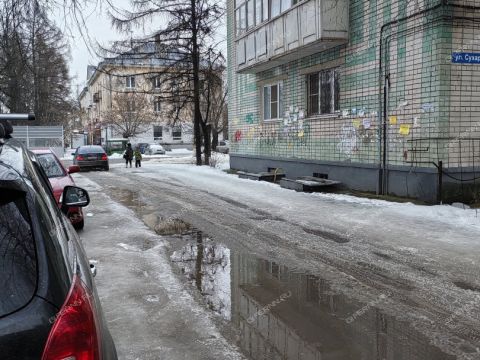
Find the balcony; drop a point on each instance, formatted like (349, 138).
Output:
(304, 29)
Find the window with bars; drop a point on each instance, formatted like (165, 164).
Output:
(272, 101)
(130, 82)
(323, 92)
(157, 132)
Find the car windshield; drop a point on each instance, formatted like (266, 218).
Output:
(50, 165)
(18, 270)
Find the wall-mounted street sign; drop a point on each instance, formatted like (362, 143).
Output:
(465, 58)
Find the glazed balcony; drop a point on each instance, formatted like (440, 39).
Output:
(306, 28)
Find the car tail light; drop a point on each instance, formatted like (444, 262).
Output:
(74, 333)
(80, 158)
(104, 157)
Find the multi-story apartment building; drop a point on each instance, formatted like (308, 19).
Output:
(381, 95)
(138, 76)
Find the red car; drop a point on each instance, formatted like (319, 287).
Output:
(59, 178)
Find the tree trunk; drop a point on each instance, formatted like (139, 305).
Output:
(206, 129)
(214, 139)
(196, 85)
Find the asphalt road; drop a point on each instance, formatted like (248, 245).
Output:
(384, 304)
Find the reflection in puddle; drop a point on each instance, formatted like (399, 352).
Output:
(207, 264)
(283, 313)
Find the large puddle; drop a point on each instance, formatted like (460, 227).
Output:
(279, 312)
(283, 313)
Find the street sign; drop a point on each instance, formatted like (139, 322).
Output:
(465, 58)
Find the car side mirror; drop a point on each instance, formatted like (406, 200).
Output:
(73, 169)
(74, 197)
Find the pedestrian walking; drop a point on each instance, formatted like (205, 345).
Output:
(128, 156)
(138, 157)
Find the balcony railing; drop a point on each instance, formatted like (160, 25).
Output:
(307, 28)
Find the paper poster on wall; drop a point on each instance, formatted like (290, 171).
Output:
(301, 133)
(356, 123)
(393, 120)
(366, 123)
(404, 129)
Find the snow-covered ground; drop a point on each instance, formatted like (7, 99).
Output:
(427, 257)
(283, 200)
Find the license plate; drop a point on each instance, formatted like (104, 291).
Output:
(92, 158)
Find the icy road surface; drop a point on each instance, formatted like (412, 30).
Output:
(399, 279)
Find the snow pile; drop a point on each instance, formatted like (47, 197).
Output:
(116, 156)
(220, 161)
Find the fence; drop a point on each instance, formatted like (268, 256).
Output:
(41, 137)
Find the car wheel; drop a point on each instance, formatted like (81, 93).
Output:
(79, 225)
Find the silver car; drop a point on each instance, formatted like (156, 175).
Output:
(223, 147)
(154, 149)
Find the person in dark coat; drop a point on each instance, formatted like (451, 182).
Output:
(128, 155)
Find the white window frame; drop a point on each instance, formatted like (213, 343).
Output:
(131, 106)
(157, 83)
(333, 105)
(279, 102)
(129, 81)
(157, 104)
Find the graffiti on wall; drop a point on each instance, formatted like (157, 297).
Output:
(355, 133)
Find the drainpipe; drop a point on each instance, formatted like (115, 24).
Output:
(383, 186)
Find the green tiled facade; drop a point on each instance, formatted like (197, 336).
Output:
(424, 124)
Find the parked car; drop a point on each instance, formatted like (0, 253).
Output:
(223, 147)
(59, 177)
(154, 149)
(49, 307)
(91, 157)
(141, 147)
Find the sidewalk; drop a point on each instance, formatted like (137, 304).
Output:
(148, 312)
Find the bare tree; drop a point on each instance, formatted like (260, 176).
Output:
(185, 40)
(131, 113)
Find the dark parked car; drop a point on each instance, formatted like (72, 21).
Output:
(49, 308)
(91, 157)
(59, 177)
(141, 147)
